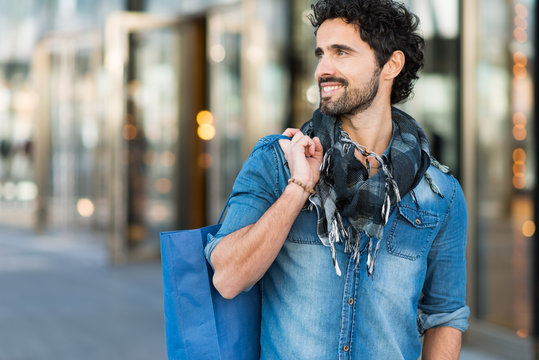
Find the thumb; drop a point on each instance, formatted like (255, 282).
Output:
(318, 149)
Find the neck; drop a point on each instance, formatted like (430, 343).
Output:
(371, 128)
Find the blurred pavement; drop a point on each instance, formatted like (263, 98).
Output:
(61, 300)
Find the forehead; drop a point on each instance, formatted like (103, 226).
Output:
(337, 31)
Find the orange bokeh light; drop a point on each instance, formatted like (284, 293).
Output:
(129, 132)
(519, 169)
(520, 71)
(528, 228)
(519, 119)
(519, 132)
(520, 58)
(520, 35)
(519, 155)
(204, 117)
(521, 10)
(519, 182)
(206, 132)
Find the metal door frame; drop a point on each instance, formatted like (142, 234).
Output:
(41, 73)
(117, 29)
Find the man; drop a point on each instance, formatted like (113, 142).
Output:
(354, 231)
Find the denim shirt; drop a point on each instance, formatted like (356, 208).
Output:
(308, 312)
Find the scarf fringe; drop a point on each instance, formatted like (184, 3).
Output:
(371, 257)
(333, 238)
(351, 246)
(435, 189)
(443, 168)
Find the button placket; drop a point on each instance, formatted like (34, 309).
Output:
(348, 310)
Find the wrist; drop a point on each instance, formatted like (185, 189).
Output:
(298, 183)
(295, 195)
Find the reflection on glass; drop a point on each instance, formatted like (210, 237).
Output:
(249, 95)
(506, 163)
(78, 160)
(225, 43)
(151, 118)
(438, 115)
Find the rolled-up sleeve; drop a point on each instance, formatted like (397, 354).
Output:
(457, 319)
(444, 292)
(256, 188)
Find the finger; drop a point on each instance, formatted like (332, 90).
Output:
(306, 142)
(318, 149)
(297, 136)
(314, 146)
(290, 132)
(317, 145)
(284, 143)
(311, 148)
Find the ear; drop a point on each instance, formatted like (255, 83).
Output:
(394, 65)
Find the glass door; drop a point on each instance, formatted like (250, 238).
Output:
(157, 74)
(500, 172)
(247, 48)
(70, 149)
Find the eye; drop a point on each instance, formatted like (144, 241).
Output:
(341, 52)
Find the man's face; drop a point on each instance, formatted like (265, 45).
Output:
(347, 71)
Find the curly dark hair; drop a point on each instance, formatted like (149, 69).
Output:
(386, 26)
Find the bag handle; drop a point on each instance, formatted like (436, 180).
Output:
(224, 209)
(278, 137)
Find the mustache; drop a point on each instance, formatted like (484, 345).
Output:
(332, 79)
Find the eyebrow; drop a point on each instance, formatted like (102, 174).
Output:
(319, 50)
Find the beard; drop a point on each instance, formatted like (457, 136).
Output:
(354, 100)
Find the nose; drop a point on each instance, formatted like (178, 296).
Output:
(324, 68)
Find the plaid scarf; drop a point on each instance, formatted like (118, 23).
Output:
(346, 189)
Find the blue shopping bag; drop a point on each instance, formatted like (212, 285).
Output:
(199, 323)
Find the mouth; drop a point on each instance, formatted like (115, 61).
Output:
(328, 90)
(329, 86)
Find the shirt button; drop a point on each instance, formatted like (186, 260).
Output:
(351, 301)
(346, 348)
(418, 221)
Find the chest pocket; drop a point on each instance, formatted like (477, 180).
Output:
(411, 233)
(303, 230)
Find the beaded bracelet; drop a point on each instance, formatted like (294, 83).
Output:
(305, 187)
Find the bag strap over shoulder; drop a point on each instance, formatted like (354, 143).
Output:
(224, 209)
(277, 137)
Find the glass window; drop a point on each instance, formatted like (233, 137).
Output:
(434, 103)
(151, 130)
(226, 92)
(505, 164)
(249, 93)
(184, 6)
(77, 154)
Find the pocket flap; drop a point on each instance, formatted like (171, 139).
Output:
(418, 218)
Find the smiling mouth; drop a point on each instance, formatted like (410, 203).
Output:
(331, 88)
(330, 85)
(328, 90)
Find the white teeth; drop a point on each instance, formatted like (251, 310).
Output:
(330, 88)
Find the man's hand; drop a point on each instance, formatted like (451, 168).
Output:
(304, 156)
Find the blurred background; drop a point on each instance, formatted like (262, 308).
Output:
(123, 118)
